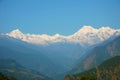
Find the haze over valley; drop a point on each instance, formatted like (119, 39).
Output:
(59, 40)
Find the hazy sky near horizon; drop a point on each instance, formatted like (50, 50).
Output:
(57, 16)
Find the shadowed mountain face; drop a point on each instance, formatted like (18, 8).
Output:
(108, 70)
(98, 55)
(10, 67)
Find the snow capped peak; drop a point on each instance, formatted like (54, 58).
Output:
(57, 35)
(86, 30)
(16, 34)
(106, 29)
(16, 31)
(86, 35)
(89, 35)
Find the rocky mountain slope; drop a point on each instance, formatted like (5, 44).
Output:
(108, 70)
(98, 54)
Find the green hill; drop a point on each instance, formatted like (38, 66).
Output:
(108, 70)
(10, 67)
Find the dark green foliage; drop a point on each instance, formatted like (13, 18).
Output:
(86, 78)
(3, 77)
(83, 77)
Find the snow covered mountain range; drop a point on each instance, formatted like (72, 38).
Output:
(87, 35)
(58, 52)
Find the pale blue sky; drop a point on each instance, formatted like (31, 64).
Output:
(57, 16)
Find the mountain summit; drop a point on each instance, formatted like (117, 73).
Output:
(86, 29)
(90, 35)
(16, 34)
(90, 29)
(86, 35)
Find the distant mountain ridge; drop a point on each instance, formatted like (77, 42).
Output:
(86, 35)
